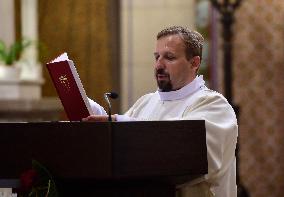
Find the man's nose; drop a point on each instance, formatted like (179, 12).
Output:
(160, 64)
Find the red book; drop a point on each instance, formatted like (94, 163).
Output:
(69, 88)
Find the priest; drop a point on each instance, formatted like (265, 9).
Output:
(182, 95)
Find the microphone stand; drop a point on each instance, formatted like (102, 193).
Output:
(113, 96)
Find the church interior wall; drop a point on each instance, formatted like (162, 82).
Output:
(258, 89)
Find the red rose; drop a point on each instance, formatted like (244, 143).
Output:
(28, 179)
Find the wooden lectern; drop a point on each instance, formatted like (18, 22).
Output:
(121, 159)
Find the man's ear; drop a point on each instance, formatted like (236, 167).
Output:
(195, 62)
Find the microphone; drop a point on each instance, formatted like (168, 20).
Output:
(111, 95)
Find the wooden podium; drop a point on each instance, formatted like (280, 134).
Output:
(120, 159)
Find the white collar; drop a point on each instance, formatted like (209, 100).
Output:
(190, 88)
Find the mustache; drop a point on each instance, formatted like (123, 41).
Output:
(162, 72)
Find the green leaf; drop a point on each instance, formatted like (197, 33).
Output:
(14, 52)
(3, 53)
(11, 56)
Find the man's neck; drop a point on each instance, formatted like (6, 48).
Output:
(183, 92)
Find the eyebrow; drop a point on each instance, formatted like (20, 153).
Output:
(166, 53)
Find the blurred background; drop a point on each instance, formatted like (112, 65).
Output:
(112, 42)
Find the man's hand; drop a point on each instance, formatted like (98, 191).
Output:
(98, 118)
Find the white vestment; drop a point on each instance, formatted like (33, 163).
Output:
(195, 102)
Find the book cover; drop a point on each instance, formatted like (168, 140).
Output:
(69, 88)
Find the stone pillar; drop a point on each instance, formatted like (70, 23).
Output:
(31, 70)
(7, 30)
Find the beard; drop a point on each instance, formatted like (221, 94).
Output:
(165, 85)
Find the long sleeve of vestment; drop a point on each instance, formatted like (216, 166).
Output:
(96, 108)
(221, 132)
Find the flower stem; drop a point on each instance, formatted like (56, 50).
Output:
(48, 187)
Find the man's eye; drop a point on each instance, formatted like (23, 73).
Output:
(170, 57)
(157, 57)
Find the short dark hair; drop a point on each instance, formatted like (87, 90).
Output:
(192, 39)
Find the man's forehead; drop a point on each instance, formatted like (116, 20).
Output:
(170, 42)
(171, 38)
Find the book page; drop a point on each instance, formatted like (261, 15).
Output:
(60, 58)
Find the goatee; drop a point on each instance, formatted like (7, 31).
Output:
(164, 85)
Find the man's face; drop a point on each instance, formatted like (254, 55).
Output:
(172, 70)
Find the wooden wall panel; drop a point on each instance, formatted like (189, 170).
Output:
(84, 29)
